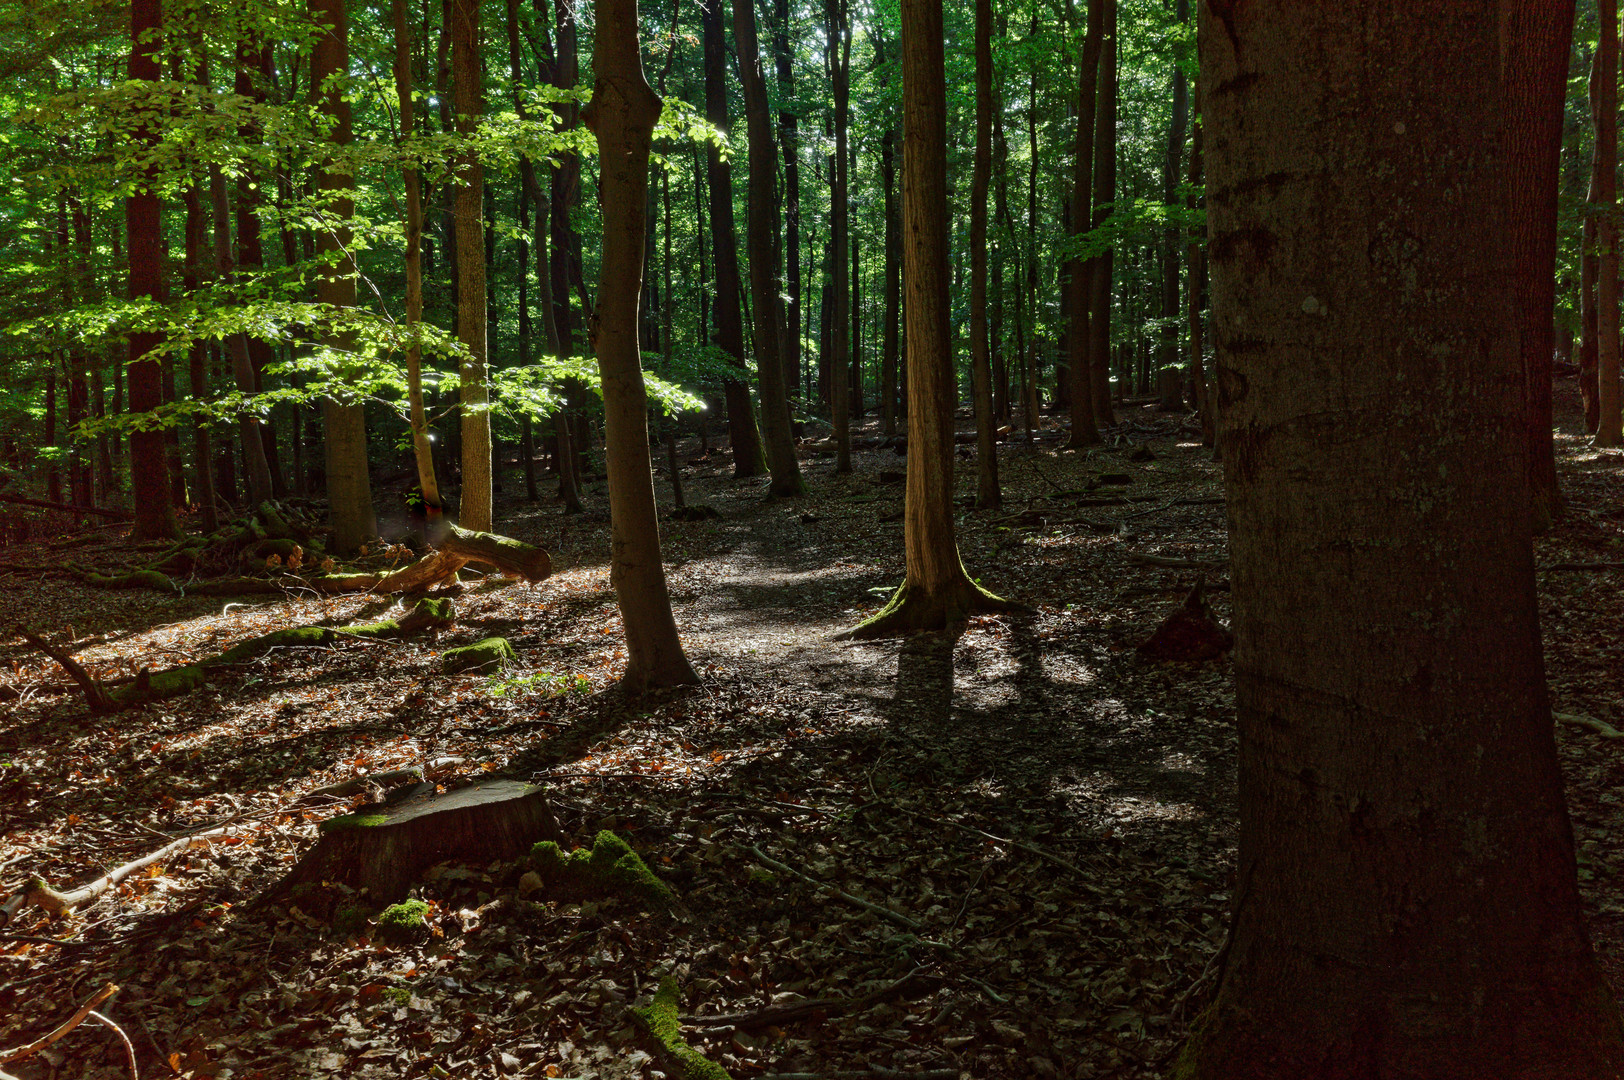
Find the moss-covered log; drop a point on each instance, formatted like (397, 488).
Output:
(454, 549)
(662, 1036)
(610, 868)
(385, 850)
(486, 655)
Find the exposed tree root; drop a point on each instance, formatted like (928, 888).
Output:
(912, 610)
(455, 549)
(95, 694)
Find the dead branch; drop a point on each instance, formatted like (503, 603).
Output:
(882, 912)
(1174, 564)
(1582, 566)
(1600, 727)
(95, 693)
(8, 1056)
(783, 1014)
(129, 1047)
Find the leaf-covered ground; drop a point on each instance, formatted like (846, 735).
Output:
(1046, 817)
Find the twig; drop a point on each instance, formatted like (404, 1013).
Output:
(782, 1014)
(1583, 566)
(1174, 564)
(129, 1047)
(883, 912)
(1600, 727)
(8, 1056)
(94, 693)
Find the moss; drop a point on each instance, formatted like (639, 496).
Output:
(156, 685)
(275, 524)
(491, 653)
(403, 923)
(660, 1018)
(353, 821)
(610, 868)
(293, 637)
(139, 579)
(395, 996)
(373, 629)
(440, 609)
(281, 547)
(350, 921)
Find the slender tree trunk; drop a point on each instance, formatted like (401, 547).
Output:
(1541, 37)
(1099, 277)
(762, 236)
(1169, 387)
(622, 114)
(258, 468)
(725, 311)
(1608, 431)
(789, 139)
(839, 52)
(197, 364)
(988, 494)
(937, 593)
(474, 501)
(422, 448)
(251, 61)
(1029, 362)
(1000, 236)
(889, 359)
(1196, 260)
(143, 227)
(1589, 273)
(349, 486)
(1406, 901)
(1084, 429)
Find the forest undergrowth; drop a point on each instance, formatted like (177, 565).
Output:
(1047, 817)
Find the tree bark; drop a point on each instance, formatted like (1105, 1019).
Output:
(1084, 429)
(474, 497)
(837, 23)
(149, 470)
(1406, 901)
(1608, 430)
(726, 308)
(622, 115)
(936, 594)
(349, 486)
(197, 364)
(988, 495)
(889, 358)
(1169, 388)
(1589, 271)
(762, 236)
(1196, 263)
(422, 449)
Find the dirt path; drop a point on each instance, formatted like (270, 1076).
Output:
(1052, 813)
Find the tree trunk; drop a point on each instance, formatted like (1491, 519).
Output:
(474, 498)
(149, 470)
(1608, 431)
(1099, 277)
(988, 495)
(253, 60)
(197, 364)
(889, 359)
(622, 116)
(839, 52)
(1169, 388)
(789, 140)
(1029, 361)
(725, 310)
(1196, 262)
(1406, 901)
(1084, 429)
(762, 237)
(422, 449)
(1589, 272)
(236, 346)
(349, 487)
(936, 594)
(1541, 37)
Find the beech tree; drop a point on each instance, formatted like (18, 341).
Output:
(1406, 901)
(1084, 430)
(622, 115)
(936, 593)
(474, 500)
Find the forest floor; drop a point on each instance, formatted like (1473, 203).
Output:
(1055, 813)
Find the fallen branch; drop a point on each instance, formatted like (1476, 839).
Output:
(456, 549)
(95, 693)
(8, 1056)
(783, 1014)
(1584, 566)
(882, 912)
(1600, 727)
(1175, 564)
(36, 891)
(129, 1047)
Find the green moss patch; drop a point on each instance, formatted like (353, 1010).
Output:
(152, 686)
(610, 868)
(353, 821)
(487, 655)
(404, 923)
(293, 637)
(139, 579)
(659, 1019)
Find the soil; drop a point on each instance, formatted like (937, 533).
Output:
(1045, 818)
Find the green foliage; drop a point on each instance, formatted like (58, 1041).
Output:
(545, 683)
(404, 923)
(609, 868)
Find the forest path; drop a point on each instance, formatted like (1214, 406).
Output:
(959, 783)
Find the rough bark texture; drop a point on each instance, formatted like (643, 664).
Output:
(1099, 275)
(987, 493)
(622, 115)
(889, 343)
(149, 471)
(1406, 901)
(762, 227)
(726, 311)
(1084, 428)
(422, 450)
(936, 593)
(349, 487)
(474, 499)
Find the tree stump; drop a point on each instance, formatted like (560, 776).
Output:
(1189, 634)
(383, 850)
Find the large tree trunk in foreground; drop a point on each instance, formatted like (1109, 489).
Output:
(1084, 429)
(987, 494)
(764, 285)
(726, 311)
(622, 115)
(1406, 902)
(149, 471)
(936, 594)
(349, 486)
